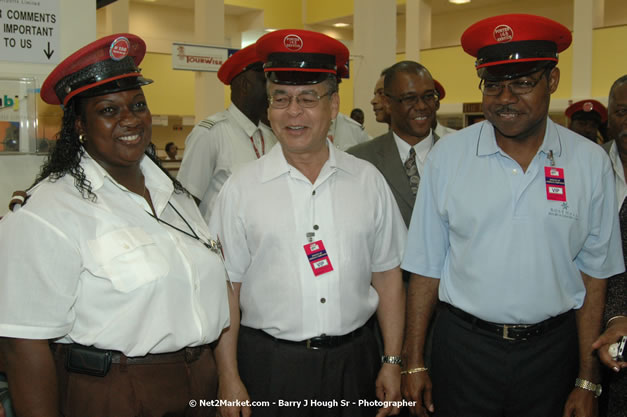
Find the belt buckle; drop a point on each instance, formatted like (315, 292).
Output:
(309, 346)
(505, 333)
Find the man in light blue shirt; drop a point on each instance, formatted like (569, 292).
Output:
(514, 229)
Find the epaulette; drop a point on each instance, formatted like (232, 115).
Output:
(211, 121)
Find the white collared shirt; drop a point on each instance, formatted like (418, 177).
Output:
(422, 148)
(345, 132)
(263, 216)
(215, 148)
(619, 175)
(106, 273)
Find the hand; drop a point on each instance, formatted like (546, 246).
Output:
(418, 388)
(2, 414)
(233, 389)
(617, 329)
(581, 403)
(388, 388)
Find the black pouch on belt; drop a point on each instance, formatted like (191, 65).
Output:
(88, 360)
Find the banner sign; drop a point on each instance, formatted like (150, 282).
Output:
(192, 57)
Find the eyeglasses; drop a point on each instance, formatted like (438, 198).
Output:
(306, 100)
(516, 87)
(428, 98)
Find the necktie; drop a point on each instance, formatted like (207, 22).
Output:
(412, 171)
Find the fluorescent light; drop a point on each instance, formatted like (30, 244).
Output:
(341, 25)
(459, 1)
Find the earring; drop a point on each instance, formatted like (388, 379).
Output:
(81, 138)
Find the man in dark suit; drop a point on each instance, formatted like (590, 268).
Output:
(411, 101)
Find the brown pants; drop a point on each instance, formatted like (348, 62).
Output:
(140, 390)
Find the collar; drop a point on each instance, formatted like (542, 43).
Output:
(241, 120)
(486, 140)
(275, 164)
(403, 147)
(160, 186)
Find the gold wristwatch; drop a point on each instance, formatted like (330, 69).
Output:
(589, 386)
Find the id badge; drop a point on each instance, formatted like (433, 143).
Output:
(555, 185)
(318, 258)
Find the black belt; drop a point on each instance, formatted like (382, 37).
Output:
(514, 332)
(320, 342)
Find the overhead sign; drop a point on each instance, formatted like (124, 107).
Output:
(29, 31)
(192, 57)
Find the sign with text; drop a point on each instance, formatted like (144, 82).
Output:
(29, 31)
(191, 57)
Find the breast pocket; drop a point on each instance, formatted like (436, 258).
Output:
(129, 258)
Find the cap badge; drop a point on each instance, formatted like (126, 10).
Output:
(588, 106)
(293, 42)
(119, 48)
(503, 33)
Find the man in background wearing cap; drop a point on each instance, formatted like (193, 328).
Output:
(513, 229)
(438, 128)
(588, 118)
(312, 242)
(222, 142)
(411, 101)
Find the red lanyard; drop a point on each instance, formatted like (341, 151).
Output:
(263, 145)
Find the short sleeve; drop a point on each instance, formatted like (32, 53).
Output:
(227, 223)
(199, 160)
(601, 256)
(390, 233)
(39, 277)
(427, 238)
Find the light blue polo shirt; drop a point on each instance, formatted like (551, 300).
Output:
(502, 249)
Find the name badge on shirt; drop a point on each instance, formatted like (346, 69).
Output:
(318, 258)
(555, 185)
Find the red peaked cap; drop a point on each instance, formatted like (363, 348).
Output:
(295, 56)
(440, 89)
(513, 45)
(105, 66)
(587, 109)
(240, 61)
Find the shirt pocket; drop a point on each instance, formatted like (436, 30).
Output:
(129, 258)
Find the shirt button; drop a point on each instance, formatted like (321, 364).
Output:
(514, 171)
(323, 300)
(125, 246)
(313, 192)
(316, 227)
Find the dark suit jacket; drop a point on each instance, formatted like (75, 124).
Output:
(382, 152)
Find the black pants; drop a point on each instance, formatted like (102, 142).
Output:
(476, 374)
(334, 379)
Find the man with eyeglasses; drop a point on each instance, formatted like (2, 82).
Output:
(514, 230)
(411, 100)
(312, 241)
(221, 143)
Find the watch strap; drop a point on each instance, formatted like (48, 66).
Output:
(588, 386)
(393, 360)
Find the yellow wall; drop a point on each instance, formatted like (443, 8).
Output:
(609, 58)
(279, 14)
(321, 10)
(173, 91)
